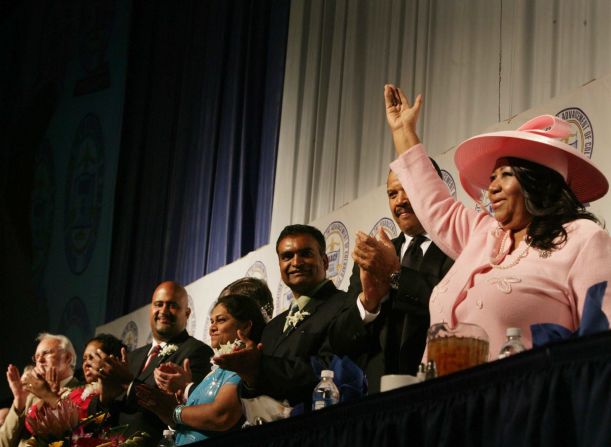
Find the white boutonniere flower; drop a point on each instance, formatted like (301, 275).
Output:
(167, 350)
(298, 316)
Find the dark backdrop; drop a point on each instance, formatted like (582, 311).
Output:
(202, 111)
(197, 126)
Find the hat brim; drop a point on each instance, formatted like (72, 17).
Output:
(476, 157)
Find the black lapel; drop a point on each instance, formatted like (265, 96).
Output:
(398, 242)
(138, 359)
(315, 302)
(278, 322)
(178, 340)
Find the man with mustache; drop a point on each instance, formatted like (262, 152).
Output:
(392, 282)
(169, 313)
(280, 366)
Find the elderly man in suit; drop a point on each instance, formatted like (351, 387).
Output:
(52, 376)
(393, 281)
(171, 344)
(280, 365)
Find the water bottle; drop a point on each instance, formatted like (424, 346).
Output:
(167, 440)
(325, 393)
(513, 345)
(421, 374)
(431, 370)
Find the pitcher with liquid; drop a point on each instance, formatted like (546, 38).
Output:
(457, 348)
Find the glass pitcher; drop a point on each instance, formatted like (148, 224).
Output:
(454, 349)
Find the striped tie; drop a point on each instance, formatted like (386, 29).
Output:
(151, 356)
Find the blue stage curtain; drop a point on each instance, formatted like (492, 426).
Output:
(199, 140)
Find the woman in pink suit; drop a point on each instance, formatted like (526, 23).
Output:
(533, 258)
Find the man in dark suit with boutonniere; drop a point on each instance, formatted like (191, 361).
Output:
(280, 365)
(168, 318)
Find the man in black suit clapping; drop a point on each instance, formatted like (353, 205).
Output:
(168, 317)
(392, 282)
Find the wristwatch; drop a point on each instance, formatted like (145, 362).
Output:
(394, 280)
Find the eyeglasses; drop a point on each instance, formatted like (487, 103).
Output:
(39, 355)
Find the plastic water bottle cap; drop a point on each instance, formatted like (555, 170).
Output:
(514, 332)
(326, 373)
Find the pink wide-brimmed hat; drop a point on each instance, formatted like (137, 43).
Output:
(538, 140)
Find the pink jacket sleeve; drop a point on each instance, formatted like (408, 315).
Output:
(447, 221)
(591, 265)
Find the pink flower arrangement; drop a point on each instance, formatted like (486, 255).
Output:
(54, 423)
(60, 427)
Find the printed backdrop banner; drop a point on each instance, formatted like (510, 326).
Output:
(76, 165)
(586, 108)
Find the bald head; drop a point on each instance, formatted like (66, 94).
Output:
(169, 311)
(172, 287)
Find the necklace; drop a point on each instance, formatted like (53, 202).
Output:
(518, 258)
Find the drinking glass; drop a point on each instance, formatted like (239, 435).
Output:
(456, 348)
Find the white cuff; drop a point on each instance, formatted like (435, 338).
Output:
(366, 316)
(185, 395)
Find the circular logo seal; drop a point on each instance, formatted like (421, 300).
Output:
(338, 247)
(257, 270)
(284, 295)
(84, 190)
(582, 135)
(449, 181)
(129, 336)
(43, 207)
(74, 323)
(390, 228)
(192, 321)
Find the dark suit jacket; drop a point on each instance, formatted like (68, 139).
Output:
(138, 418)
(397, 338)
(285, 371)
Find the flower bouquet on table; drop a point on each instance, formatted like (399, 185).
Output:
(61, 426)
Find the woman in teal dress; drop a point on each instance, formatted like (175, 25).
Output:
(213, 405)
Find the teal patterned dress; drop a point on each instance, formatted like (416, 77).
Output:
(205, 393)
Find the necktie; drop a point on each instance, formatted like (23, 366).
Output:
(413, 255)
(154, 352)
(294, 308)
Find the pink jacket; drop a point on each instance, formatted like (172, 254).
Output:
(529, 288)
